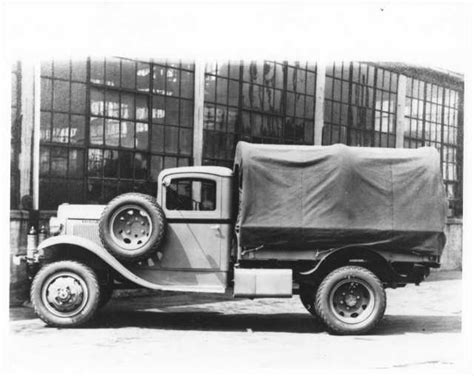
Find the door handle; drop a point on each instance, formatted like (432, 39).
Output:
(215, 227)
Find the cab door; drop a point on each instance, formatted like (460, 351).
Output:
(193, 206)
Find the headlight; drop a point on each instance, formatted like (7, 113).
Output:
(55, 226)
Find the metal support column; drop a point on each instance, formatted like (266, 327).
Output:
(319, 104)
(36, 134)
(400, 115)
(198, 134)
(25, 156)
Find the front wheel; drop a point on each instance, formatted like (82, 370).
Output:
(65, 293)
(351, 300)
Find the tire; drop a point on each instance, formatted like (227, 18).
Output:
(132, 227)
(351, 300)
(65, 294)
(308, 298)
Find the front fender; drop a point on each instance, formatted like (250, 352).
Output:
(102, 253)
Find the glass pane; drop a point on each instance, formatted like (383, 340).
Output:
(187, 113)
(141, 166)
(94, 191)
(59, 162)
(97, 102)
(300, 81)
(222, 69)
(78, 98)
(76, 163)
(59, 192)
(172, 111)
(309, 107)
(45, 126)
(97, 131)
(158, 110)
(128, 106)
(159, 74)
(61, 96)
(112, 132)
(171, 140)
(156, 167)
(44, 161)
(233, 93)
(97, 71)
(126, 164)
(62, 69)
(141, 103)
(112, 72)
(112, 104)
(172, 82)
(185, 141)
(60, 128)
(109, 190)
(79, 70)
(111, 163)
(94, 165)
(46, 94)
(46, 68)
(210, 89)
(310, 83)
(143, 77)
(141, 136)
(221, 90)
(179, 195)
(78, 124)
(299, 105)
(279, 76)
(187, 84)
(127, 134)
(128, 74)
(157, 139)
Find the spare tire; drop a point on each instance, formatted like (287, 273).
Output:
(132, 227)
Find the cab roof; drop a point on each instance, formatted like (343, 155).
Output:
(211, 170)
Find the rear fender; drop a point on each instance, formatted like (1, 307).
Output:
(353, 255)
(58, 243)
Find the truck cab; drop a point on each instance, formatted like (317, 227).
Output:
(197, 203)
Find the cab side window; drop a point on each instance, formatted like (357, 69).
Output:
(191, 194)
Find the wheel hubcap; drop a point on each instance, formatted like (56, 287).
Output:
(65, 294)
(131, 227)
(352, 301)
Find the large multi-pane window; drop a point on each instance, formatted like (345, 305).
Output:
(264, 102)
(432, 119)
(360, 105)
(62, 132)
(15, 135)
(109, 126)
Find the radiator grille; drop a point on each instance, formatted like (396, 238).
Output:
(86, 230)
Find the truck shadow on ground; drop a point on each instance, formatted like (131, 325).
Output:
(282, 322)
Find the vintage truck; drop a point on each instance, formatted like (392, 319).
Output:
(334, 224)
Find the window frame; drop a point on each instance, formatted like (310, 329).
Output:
(192, 214)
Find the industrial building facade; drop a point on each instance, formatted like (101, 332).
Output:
(110, 125)
(84, 131)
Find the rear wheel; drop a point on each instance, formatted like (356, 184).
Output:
(351, 300)
(65, 293)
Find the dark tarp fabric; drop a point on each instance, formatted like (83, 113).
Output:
(322, 197)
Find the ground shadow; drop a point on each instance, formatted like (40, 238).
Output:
(284, 322)
(210, 321)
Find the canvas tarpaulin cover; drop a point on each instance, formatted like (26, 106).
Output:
(322, 197)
